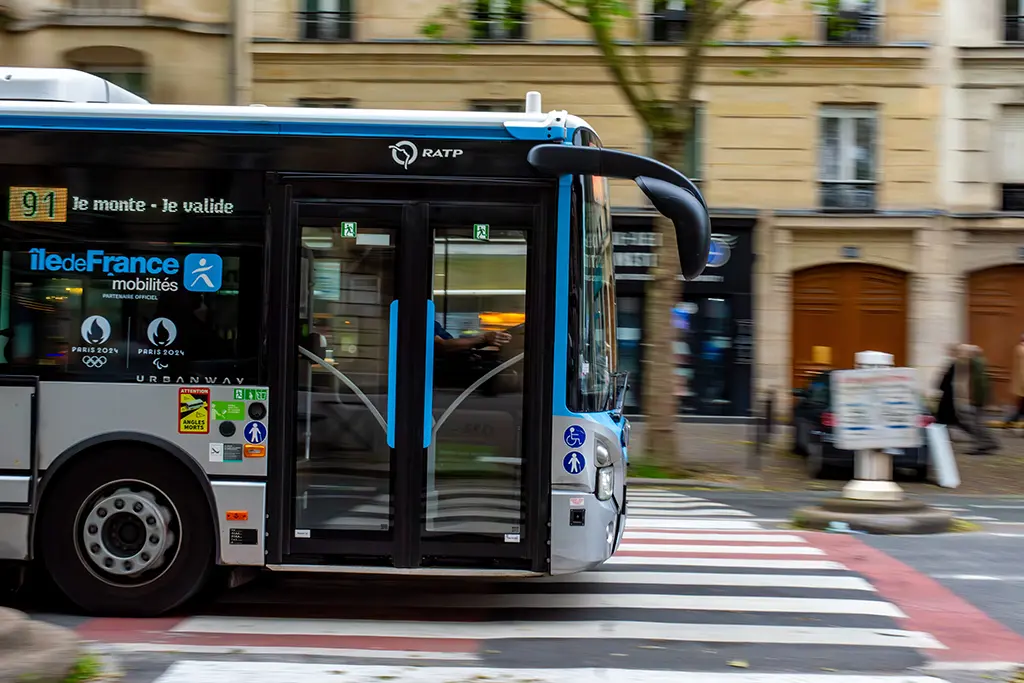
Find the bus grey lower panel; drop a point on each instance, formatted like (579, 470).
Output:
(241, 512)
(14, 536)
(16, 427)
(578, 547)
(14, 490)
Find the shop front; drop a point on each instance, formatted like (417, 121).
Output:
(713, 319)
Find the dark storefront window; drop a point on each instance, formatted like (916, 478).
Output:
(712, 320)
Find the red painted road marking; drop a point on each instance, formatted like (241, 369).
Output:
(970, 634)
(126, 631)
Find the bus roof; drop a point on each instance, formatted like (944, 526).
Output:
(66, 99)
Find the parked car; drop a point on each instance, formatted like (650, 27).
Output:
(812, 435)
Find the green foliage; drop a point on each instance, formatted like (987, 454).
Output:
(86, 669)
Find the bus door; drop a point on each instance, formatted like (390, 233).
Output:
(422, 389)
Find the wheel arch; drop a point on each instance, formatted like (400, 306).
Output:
(96, 443)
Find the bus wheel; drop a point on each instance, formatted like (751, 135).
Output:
(126, 532)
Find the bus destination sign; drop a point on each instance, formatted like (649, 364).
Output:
(38, 204)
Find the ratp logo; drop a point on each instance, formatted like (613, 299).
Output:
(404, 153)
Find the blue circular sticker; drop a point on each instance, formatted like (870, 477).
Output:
(574, 462)
(255, 432)
(575, 436)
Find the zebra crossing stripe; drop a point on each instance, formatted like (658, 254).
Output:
(576, 630)
(191, 671)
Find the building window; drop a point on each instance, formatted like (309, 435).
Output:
(329, 20)
(1013, 31)
(1011, 149)
(326, 102)
(132, 79)
(693, 157)
(668, 21)
(499, 19)
(517, 106)
(853, 22)
(847, 166)
(106, 6)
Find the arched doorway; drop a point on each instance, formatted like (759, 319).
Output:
(995, 314)
(850, 308)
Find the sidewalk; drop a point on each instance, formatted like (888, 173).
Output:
(723, 454)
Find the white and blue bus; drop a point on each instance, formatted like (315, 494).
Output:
(307, 340)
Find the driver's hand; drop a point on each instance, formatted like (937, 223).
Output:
(499, 338)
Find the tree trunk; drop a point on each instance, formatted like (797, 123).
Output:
(660, 403)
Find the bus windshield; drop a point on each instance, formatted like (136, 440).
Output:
(596, 300)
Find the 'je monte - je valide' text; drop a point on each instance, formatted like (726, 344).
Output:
(208, 206)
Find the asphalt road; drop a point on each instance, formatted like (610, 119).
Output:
(701, 590)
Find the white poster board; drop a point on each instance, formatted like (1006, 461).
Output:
(876, 408)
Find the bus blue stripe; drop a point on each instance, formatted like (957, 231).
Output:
(428, 380)
(243, 127)
(558, 386)
(392, 371)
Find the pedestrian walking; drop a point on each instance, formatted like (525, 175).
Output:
(970, 392)
(1017, 383)
(946, 412)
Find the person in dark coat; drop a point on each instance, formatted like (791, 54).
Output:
(946, 412)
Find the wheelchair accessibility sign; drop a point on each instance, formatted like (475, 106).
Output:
(574, 462)
(575, 436)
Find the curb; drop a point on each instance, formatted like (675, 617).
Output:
(683, 483)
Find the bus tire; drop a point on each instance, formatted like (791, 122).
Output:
(126, 531)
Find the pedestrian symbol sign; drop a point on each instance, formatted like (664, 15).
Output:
(193, 410)
(481, 232)
(574, 462)
(255, 432)
(250, 394)
(348, 229)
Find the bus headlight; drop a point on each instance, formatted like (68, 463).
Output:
(601, 454)
(605, 482)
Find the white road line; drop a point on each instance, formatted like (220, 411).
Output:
(720, 549)
(699, 603)
(849, 583)
(697, 512)
(577, 630)
(679, 505)
(998, 507)
(690, 524)
(976, 577)
(289, 672)
(729, 562)
(738, 538)
(236, 651)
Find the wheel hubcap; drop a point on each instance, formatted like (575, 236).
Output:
(128, 532)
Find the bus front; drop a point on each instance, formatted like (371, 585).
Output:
(590, 435)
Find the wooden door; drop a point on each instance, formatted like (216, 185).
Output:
(996, 321)
(850, 308)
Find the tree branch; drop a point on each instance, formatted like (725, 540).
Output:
(727, 11)
(559, 7)
(602, 31)
(643, 62)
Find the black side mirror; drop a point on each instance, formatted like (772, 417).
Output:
(672, 193)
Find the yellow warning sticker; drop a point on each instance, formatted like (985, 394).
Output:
(193, 410)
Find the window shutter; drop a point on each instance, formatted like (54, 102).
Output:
(1011, 141)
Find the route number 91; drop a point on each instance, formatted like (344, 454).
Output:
(38, 204)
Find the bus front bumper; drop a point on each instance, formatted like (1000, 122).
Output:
(584, 530)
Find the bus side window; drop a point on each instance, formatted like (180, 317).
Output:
(6, 333)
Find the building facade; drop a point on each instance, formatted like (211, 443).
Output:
(821, 145)
(983, 180)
